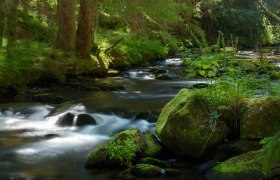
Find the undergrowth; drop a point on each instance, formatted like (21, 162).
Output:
(235, 79)
(270, 154)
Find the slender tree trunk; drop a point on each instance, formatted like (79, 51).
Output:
(39, 8)
(11, 15)
(85, 28)
(2, 22)
(267, 12)
(66, 22)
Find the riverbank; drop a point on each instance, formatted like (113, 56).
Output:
(32, 62)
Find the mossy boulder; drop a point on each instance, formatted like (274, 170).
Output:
(126, 146)
(260, 118)
(147, 170)
(245, 166)
(185, 125)
(99, 158)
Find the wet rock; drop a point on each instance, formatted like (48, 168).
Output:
(65, 120)
(186, 128)
(99, 159)
(126, 174)
(245, 166)
(50, 136)
(126, 145)
(147, 170)
(110, 87)
(170, 172)
(154, 161)
(163, 77)
(260, 117)
(149, 116)
(157, 71)
(85, 119)
(61, 108)
(240, 147)
(91, 88)
(120, 63)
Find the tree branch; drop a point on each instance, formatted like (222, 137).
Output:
(114, 45)
(267, 12)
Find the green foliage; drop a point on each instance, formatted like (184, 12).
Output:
(134, 49)
(122, 150)
(231, 89)
(233, 17)
(208, 61)
(235, 79)
(270, 154)
(31, 60)
(25, 56)
(34, 28)
(204, 65)
(136, 12)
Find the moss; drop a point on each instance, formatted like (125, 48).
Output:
(244, 163)
(260, 118)
(147, 170)
(124, 148)
(151, 147)
(155, 162)
(98, 158)
(179, 100)
(145, 166)
(185, 125)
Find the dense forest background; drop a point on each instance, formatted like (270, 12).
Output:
(55, 38)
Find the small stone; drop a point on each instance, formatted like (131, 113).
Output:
(163, 77)
(155, 162)
(147, 170)
(170, 172)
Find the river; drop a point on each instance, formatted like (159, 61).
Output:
(33, 146)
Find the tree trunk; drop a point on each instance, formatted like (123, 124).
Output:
(2, 22)
(85, 28)
(267, 12)
(66, 22)
(11, 15)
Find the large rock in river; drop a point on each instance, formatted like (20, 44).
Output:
(66, 119)
(85, 119)
(126, 146)
(185, 125)
(260, 117)
(246, 166)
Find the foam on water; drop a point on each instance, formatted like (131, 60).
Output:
(65, 139)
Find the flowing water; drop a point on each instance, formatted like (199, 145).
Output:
(33, 146)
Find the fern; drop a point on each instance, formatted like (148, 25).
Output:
(270, 154)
